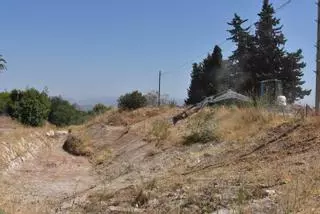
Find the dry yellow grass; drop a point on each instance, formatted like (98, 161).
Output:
(125, 118)
(226, 124)
(239, 124)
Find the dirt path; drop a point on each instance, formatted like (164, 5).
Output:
(48, 179)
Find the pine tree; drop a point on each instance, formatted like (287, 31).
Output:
(271, 61)
(270, 42)
(291, 76)
(240, 75)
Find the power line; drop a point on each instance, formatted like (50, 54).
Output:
(283, 5)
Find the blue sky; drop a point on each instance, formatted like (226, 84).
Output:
(89, 49)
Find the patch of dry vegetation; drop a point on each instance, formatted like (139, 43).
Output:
(201, 128)
(125, 118)
(78, 145)
(220, 124)
(159, 132)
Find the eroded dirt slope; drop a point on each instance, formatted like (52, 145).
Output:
(39, 184)
(275, 171)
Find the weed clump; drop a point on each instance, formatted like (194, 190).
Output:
(201, 129)
(160, 131)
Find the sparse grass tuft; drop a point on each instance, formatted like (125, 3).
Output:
(141, 199)
(101, 156)
(160, 131)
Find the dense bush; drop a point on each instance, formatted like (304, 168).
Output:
(100, 109)
(4, 102)
(133, 100)
(63, 113)
(30, 107)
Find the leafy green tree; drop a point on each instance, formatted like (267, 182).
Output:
(30, 107)
(4, 102)
(63, 113)
(133, 100)
(100, 108)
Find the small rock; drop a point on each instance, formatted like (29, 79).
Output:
(271, 192)
(50, 133)
(153, 202)
(62, 132)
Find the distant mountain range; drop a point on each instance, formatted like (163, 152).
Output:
(87, 104)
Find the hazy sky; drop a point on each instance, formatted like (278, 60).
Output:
(86, 49)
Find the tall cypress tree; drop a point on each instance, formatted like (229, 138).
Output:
(196, 91)
(212, 72)
(206, 77)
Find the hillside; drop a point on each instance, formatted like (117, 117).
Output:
(255, 162)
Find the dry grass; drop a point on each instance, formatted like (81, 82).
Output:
(124, 118)
(159, 132)
(240, 124)
(224, 124)
(101, 156)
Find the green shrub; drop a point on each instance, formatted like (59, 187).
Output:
(62, 113)
(100, 109)
(133, 100)
(4, 102)
(200, 129)
(30, 107)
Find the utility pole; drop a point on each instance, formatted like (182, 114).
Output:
(159, 91)
(318, 62)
